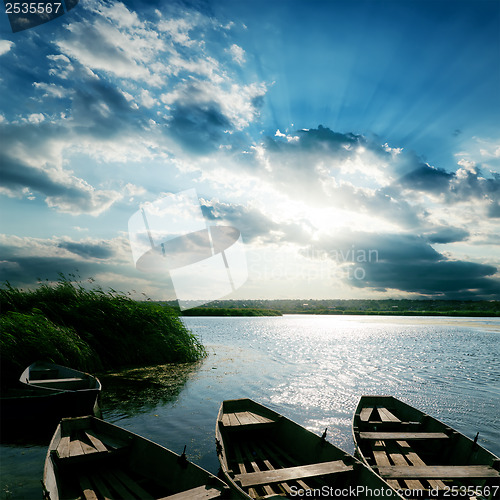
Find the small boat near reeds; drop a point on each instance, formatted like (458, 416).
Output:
(74, 392)
(265, 455)
(89, 458)
(414, 451)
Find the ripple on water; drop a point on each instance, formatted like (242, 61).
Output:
(312, 369)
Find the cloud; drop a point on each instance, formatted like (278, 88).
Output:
(237, 53)
(90, 250)
(447, 235)
(26, 259)
(426, 178)
(5, 46)
(114, 42)
(100, 99)
(202, 116)
(408, 263)
(61, 190)
(109, 262)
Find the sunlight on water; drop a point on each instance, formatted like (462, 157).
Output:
(313, 369)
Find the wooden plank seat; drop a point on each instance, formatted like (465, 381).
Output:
(382, 459)
(399, 459)
(291, 473)
(438, 472)
(85, 445)
(377, 414)
(400, 453)
(70, 384)
(386, 415)
(366, 414)
(402, 436)
(283, 486)
(200, 493)
(57, 380)
(244, 418)
(414, 459)
(279, 456)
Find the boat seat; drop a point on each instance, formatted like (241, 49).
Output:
(369, 413)
(438, 472)
(199, 493)
(386, 415)
(402, 436)
(52, 380)
(87, 446)
(291, 473)
(244, 418)
(415, 459)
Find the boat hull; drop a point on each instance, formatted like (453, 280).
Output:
(88, 456)
(262, 453)
(413, 451)
(72, 392)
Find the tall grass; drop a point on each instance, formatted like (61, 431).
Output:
(88, 329)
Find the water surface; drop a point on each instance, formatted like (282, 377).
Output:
(313, 369)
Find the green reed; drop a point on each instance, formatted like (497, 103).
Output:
(89, 329)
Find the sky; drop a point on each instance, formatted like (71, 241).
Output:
(355, 145)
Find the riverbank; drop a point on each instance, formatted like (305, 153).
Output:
(90, 330)
(222, 311)
(386, 307)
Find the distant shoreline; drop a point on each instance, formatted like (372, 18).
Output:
(254, 312)
(388, 307)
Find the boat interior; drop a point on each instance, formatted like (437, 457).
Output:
(416, 454)
(265, 459)
(51, 378)
(93, 465)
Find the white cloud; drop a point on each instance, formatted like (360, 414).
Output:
(52, 90)
(5, 46)
(36, 118)
(237, 53)
(146, 99)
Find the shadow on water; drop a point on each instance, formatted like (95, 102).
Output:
(138, 390)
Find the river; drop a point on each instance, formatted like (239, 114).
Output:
(313, 369)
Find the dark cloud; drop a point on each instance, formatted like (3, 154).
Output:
(321, 140)
(444, 278)
(464, 185)
(101, 111)
(470, 185)
(426, 178)
(70, 194)
(23, 271)
(200, 128)
(88, 250)
(409, 264)
(447, 235)
(16, 176)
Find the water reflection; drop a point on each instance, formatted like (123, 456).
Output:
(140, 390)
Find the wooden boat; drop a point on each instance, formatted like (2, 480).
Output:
(74, 392)
(92, 459)
(265, 455)
(413, 451)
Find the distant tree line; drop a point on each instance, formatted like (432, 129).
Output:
(409, 307)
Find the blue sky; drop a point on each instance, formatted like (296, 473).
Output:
(355, 144)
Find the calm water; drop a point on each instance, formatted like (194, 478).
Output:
(313, 369)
